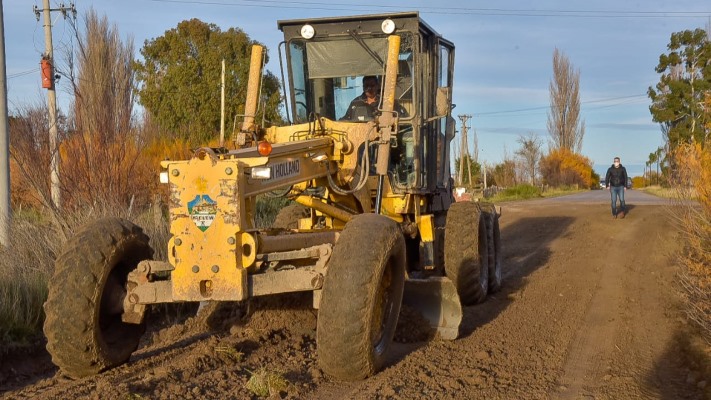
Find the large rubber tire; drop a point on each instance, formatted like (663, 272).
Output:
(466, 252)
(361, 298)
(85, 334)
(493, 236)
(289, 216)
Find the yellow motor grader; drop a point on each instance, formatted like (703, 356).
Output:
(373, 223)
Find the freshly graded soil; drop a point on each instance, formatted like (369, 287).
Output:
(588, 310)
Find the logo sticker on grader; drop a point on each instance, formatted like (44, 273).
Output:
(202, 211)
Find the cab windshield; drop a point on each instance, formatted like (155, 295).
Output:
(327, 74)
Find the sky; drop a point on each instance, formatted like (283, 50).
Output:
(503, 59)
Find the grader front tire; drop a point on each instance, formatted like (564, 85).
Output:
(466, 252)
(361, 298)
(85, 334)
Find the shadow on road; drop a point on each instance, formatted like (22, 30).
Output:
(526, 248)
(679, 371)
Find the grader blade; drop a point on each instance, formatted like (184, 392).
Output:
(437, 300)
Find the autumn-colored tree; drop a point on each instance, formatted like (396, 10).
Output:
(30, 155)
(101, 163)
(564, 124)
(179, 79)
(561, 167)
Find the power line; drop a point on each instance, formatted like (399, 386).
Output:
(449, 10)
(488, 113)
(23, 73)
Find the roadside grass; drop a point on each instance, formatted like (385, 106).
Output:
(26, 265)
(663, 192)
(527, 192)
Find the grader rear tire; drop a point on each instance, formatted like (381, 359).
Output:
(361, 298)
(85, 334)
(466, 252)
(493, 236)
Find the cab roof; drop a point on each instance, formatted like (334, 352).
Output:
(409, 20)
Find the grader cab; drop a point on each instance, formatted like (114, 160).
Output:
(372, 226)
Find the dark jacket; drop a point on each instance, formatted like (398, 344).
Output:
(616, 176)
(360, 110)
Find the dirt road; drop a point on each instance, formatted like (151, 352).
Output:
(588, 311)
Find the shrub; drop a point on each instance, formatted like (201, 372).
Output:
(694, 221)
(561, 167)
(638, 182)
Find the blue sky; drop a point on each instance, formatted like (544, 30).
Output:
(503, 56)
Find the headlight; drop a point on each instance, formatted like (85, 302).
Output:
(388, 26)
(163, 177)
(261, 173)
(307, 31)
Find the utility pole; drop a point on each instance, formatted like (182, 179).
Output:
(51, 94)
(5, 210)
(222, 107)
(476, 146)
(464, 156)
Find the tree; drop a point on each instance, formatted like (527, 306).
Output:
(102, 77)
(529, 153)
(504, 174)
(474, 169)
(561, 167)
(564, 124)
(677, 99)
(651, 161)
(179, 79)
(100, 156)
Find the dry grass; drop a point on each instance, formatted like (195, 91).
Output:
(694, 222)
(26, 264)
(670, 193)
(265, 382)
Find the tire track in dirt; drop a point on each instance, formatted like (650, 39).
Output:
(588, 358)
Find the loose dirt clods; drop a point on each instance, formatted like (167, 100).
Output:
(585, 311)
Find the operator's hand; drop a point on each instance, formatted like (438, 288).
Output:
(607, 187)
(625, 188)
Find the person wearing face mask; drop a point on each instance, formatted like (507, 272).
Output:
(616, 183)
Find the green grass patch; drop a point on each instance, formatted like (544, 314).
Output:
(527, 192)
(518, 192)
(562, 191)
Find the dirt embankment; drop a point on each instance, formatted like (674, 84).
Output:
(588, 310)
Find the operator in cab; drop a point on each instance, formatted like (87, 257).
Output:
(365, 106)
